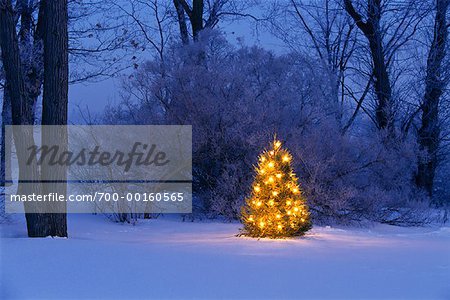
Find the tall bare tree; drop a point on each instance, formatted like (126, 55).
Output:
(30, 46)
(22, 97)
(324, 30)
(429, 131)
(388, 27)
(382, 84)
(22, 111)
(55, 101)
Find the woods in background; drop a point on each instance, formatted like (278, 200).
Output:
(358, 92)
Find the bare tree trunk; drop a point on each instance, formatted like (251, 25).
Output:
(382, 85)
(5, 161)
(195, 15)
(181, 22)
(5, 153)
(21, 114)
(197, 18)
(33, 68)
(55, 101)
(434, 85)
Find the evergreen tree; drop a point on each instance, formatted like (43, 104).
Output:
(275, 207)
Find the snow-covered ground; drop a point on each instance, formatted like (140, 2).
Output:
(166, 258)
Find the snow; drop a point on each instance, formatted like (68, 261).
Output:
(167, 258)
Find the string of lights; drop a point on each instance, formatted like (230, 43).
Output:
(276, 207)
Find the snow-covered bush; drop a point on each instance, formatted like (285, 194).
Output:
(237, 99)
(354, 178)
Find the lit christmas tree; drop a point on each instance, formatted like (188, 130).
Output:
(276, 207)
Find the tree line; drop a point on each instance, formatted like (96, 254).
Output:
(383, 71)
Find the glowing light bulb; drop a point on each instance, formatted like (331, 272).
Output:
(280, 227)
(271, 179)
(262, 171)
(271, 202)
(271, 152)
(288, 202)
(295, 190)
(257, 188)
(279, 175)
(261, 224)
(259, 203)
(295, 208)
(263, 159)
(286, 158)
(275, 193)
(303, 220)
(277, 144)
(271, 164)
(289, 212)
(250, 219)
(278, 216)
